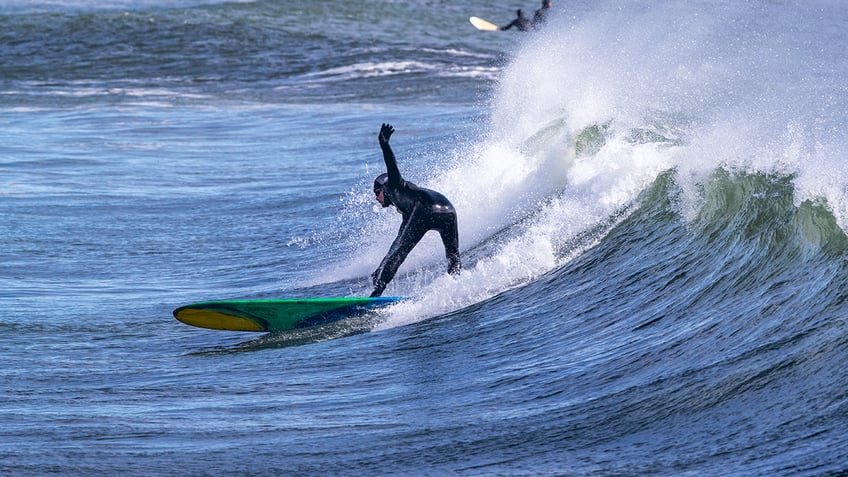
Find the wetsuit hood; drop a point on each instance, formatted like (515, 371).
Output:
(380, 184)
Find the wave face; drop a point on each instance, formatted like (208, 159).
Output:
(592, 111)
(657, 211)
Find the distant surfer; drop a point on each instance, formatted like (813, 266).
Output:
(521, 22)
(422, 210)
(541, 15)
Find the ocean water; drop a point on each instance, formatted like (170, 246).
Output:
(653, 206)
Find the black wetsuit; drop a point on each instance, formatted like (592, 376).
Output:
(541, 16)
(521, 22)
(422, 210)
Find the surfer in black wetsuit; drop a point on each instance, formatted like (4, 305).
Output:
(541, 15)
(422, 210)
(521, 22)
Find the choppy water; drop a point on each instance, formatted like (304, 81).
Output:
(652, 204)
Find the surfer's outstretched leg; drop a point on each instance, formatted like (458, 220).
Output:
(403, 244)
(450, 238)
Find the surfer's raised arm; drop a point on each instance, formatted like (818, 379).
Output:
(386, 131)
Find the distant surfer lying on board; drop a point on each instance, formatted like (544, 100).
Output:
(521, 22)
(422, 210)
(539, 18)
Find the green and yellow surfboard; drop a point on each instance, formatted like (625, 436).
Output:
(275, 315)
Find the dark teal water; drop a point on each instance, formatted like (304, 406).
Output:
(652, 212)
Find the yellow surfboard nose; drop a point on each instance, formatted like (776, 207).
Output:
(216, 321)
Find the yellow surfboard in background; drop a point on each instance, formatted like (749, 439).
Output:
(481, 24)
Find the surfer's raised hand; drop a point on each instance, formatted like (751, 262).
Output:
(386, 132)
